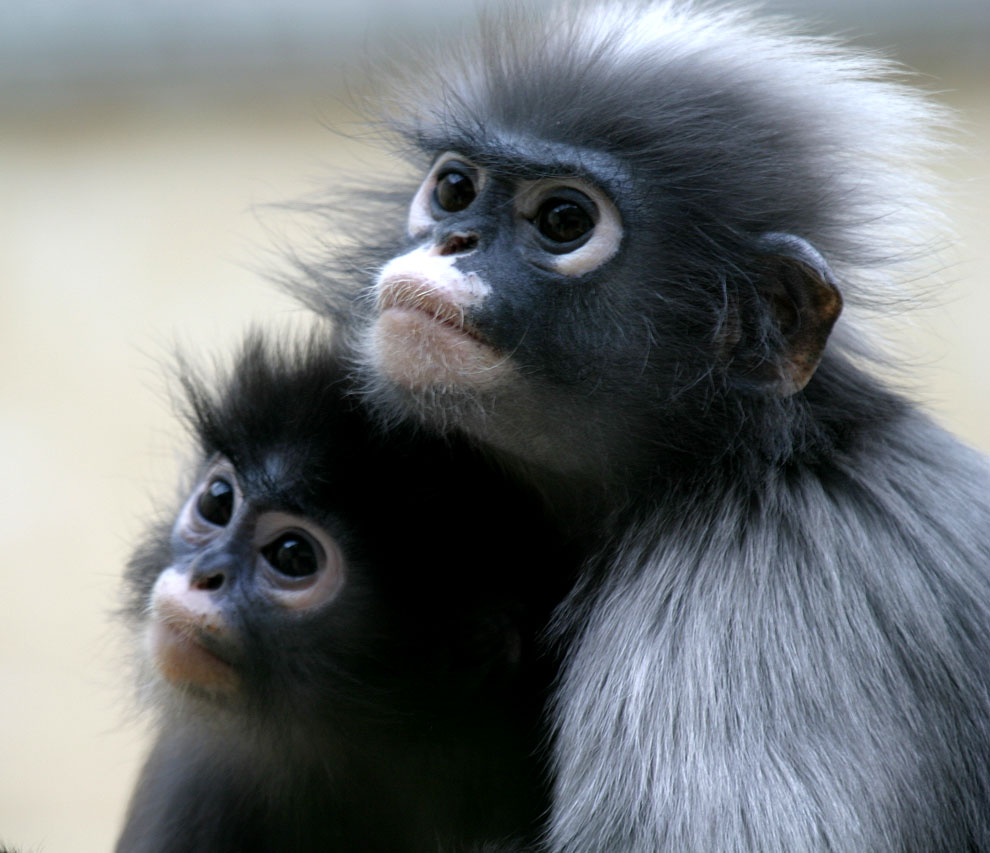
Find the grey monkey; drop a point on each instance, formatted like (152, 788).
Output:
(622, 278)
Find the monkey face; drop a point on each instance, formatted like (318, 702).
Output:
(565, 305)
(482, 324)
(233, 561)
(460, 309)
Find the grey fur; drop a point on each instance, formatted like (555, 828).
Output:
(797, 664)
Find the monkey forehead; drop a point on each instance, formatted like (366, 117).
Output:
(282, 477)
(286, 476)
(277, 472)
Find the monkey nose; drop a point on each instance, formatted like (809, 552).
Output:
(208, 582)
(458, 243)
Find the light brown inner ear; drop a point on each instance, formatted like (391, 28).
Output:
(805, 305)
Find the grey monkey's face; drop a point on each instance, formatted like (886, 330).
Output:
(570, 308)
(496, 255)
(505, 304)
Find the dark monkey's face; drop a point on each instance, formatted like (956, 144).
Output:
(236, 565)
(292, 592)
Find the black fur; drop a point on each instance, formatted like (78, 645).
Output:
(405, 713)
(782, 638)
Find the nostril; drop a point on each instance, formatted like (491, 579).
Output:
(209, 583)
(458, 244)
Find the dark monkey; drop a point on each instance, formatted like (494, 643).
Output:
(340, 632)
(621, 277)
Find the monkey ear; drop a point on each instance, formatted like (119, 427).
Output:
(804, 304)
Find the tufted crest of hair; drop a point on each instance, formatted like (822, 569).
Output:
(280, 394)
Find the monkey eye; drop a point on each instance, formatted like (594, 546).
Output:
(299, 564)
(294, 554)
(561, 217)
(451, 185)
(566, 224)
(563, 221)
(211, 506)
(454, 190)
(216, 502)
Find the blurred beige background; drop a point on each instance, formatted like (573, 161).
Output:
(132, 153)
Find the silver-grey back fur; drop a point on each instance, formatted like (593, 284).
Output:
(795, 665)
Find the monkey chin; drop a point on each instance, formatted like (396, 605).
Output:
(419, 352)
(186, 663)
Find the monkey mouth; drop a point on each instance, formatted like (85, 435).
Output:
(422, 341)
(413, 294)
(184, 657)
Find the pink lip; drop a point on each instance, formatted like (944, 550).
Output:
(182, 659)
(410, 294)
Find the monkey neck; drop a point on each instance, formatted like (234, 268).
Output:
(749, 439)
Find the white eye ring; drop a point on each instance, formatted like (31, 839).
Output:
(303, 592)
(190, 525)
(421, 218)
(604, 240)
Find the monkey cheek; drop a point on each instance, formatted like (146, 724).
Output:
(183, 662)
(418, 352)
